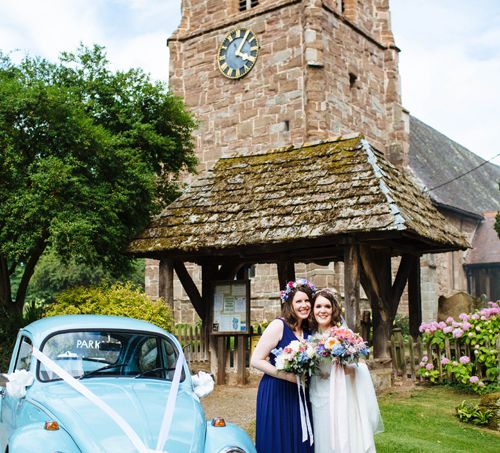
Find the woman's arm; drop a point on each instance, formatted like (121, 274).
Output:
(268, 341)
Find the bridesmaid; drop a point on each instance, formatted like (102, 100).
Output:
(278, 426)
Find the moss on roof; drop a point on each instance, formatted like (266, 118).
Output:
(311, 192)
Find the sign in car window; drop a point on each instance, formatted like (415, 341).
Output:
(231, 306)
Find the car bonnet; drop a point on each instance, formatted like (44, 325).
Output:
(141, 402)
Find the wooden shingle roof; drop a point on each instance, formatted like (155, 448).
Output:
(329, 190)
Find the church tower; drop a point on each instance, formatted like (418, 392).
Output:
(265, 74)
(262, 74)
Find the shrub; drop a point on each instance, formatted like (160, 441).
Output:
(472, 413)
(116, 300)
(479, 330)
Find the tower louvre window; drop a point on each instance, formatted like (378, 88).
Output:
(247, 4)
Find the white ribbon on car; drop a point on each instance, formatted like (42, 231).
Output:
(117, 418)
(305, 421)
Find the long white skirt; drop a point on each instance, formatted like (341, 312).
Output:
(345, 410)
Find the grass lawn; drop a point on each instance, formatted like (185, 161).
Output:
(423, 421)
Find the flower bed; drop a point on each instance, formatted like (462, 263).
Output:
(463, 351)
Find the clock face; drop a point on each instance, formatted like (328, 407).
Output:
(238, 53)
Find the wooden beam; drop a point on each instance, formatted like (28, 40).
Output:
(351, 286)
(405, 267)
(377, 281)
(166, 281)
(229, 269)
(415, 297)
(286, 273)
(189, 286)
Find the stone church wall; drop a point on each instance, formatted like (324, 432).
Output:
(317, 76)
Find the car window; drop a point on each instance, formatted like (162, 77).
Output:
(23, 360)
(109, 353)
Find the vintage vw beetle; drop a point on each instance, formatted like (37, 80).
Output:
(123, 364)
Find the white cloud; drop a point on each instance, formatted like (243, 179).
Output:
(449, 63)
(449, 67)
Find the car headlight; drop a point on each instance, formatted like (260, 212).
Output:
(231, 450)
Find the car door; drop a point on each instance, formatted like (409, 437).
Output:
(9, 405)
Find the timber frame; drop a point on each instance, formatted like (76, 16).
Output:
(334, 201)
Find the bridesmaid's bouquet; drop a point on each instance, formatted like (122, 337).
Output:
(341, 345)
(299, 357)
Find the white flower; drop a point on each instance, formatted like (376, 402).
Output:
(18, 381)
(294, 345)
(203, 384)
(280, 362)
(310, 353)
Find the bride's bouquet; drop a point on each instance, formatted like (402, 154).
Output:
(299, 357)
(340, 344)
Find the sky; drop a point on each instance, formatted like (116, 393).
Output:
(449, 60)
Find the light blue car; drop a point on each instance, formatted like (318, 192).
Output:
(126, 364)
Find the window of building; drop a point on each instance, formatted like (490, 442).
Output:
(247, 4)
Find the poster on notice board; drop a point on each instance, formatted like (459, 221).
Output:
(231, 307)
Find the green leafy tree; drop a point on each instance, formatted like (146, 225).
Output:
(87, 156)
(52, 275)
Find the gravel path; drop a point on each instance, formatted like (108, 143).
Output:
(235, 404)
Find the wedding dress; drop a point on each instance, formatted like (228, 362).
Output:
(345, 409)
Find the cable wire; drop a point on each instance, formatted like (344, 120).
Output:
(463, 174)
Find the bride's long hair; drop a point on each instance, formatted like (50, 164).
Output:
(329, 294)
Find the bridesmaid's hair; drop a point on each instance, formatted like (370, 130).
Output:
(331, 295)
(286, 305)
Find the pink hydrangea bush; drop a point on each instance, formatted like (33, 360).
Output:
(479, 330)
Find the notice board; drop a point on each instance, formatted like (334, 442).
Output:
(231, 306)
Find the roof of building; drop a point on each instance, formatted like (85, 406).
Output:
(486, 244)
(307, 193)
(435, 159)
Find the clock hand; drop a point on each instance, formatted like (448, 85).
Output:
(238, 50)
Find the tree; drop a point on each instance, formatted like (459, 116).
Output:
(52, 276)
(87, 156)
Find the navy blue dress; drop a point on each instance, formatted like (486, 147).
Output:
(278, 428)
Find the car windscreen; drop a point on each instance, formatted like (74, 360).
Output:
(110, 353)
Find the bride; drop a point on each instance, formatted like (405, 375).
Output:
(344, 405)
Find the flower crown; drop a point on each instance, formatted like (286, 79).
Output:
(290, 286)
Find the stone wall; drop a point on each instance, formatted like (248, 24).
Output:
(317, 76)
